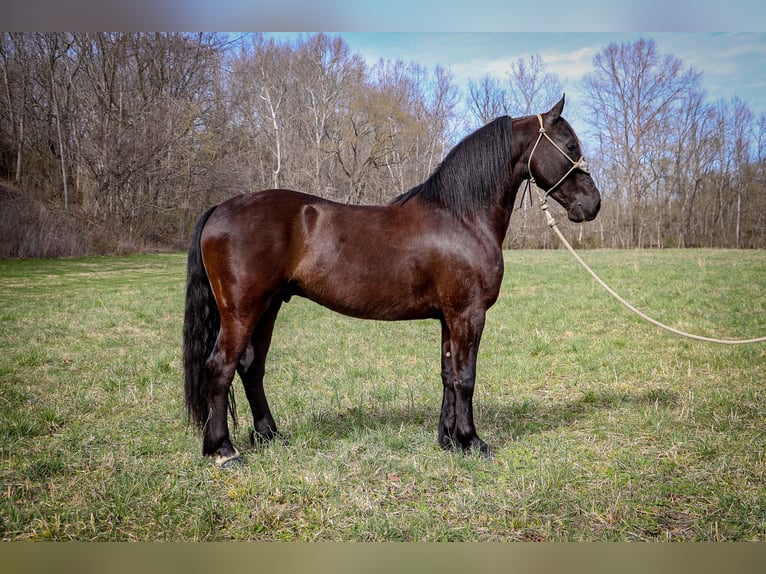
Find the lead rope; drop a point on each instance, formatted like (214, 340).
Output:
(554, 226)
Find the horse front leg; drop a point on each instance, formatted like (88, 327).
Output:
(447, 417)
(465, 336)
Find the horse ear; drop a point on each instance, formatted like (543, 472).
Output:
(556, 110)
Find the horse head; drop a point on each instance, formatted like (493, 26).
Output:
(556, 165)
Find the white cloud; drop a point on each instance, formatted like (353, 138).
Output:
(570, 65)
(731, 63)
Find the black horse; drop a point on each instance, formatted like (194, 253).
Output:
(433, 253)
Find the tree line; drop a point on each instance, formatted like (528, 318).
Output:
(128, 137)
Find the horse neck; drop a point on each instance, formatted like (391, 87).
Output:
(524, 134)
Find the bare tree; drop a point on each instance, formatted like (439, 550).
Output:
(138, 132)
(326, 76)
(532, 88)
(487, 98)
(634, 98)
(733, 171)
(441, 100)
(15, 54)
(397, 93)
(363, 145)
(692, 153)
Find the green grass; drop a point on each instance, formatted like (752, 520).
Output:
(603, 427)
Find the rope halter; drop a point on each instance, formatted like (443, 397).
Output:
(580, 164)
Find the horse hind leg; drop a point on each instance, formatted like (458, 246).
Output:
(229, 347)
(251, 370)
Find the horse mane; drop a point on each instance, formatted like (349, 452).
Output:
(474, 173)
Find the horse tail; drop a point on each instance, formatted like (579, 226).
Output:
(202, 322)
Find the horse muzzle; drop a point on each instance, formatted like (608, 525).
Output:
(585, 208)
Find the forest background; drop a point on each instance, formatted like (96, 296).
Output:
(116, 142)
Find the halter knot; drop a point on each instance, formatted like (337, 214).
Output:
(582, 165)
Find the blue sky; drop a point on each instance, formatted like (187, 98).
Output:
(732, 63)
(549, 16)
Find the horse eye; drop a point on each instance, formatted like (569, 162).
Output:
(571, 147)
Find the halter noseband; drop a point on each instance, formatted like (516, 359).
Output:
(580, 164)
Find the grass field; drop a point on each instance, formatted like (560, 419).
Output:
(603, 427)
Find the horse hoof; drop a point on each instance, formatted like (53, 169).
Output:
(230, 460)
(474, 445)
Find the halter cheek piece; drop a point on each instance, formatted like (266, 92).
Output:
(580, 164)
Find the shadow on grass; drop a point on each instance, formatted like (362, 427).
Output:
(508, 422)
(529, 417)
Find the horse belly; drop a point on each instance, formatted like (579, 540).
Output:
(366, 280)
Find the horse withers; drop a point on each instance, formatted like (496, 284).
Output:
(434, 252)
